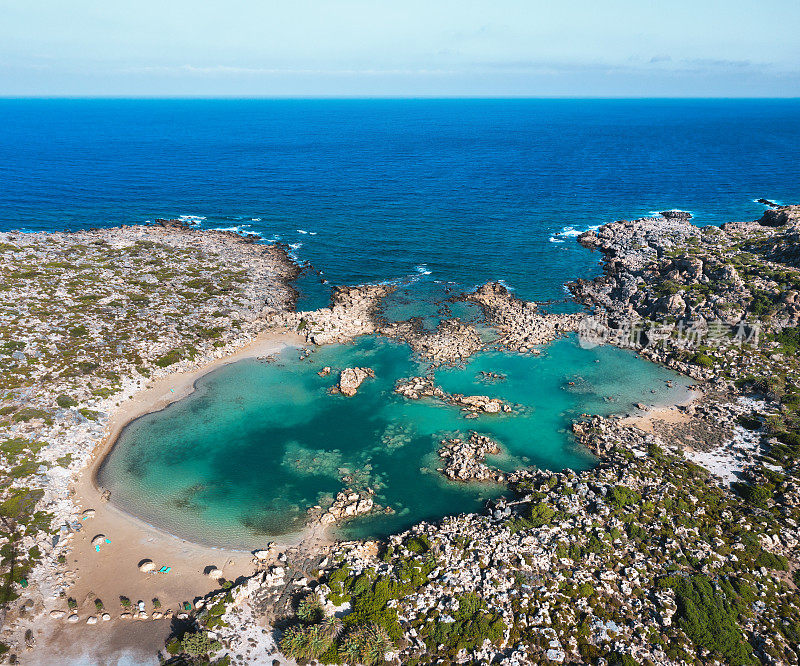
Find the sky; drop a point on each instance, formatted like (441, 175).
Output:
(408, 48)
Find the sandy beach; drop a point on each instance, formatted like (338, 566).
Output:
(113, 571)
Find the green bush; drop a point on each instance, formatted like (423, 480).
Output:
(619, 659)
(306, 642)
(703, 360)
(198, 644)
(761, 304)
(366, 645)
(170, 358)
(622, 497)
(79, 331)
(65, 401)
(755, 495)
(473, 625)
(709, 619)
(418, 544)
(309, 610)
(772, 561)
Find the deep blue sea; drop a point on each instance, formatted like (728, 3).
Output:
(457, 190)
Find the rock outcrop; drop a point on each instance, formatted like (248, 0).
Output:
(424, 387)
(349, 504)
(351, 378)
(522, 326)
(464, 460)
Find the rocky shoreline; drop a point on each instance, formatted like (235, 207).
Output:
(646, 558)
(464, 460)
(630, 561)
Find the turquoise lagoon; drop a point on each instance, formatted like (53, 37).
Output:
(242, 459)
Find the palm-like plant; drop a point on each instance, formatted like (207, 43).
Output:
(366, 645)
(309, 610)
(306, 642)
(332, 626)
(377, 644)
(294, 643)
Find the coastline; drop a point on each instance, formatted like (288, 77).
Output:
(127, 531)
(113, 571)
(630, 444)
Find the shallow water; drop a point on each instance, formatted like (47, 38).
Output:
(241, 460)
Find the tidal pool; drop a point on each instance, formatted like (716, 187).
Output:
(242, 459)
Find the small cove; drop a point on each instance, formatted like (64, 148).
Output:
(240, 461)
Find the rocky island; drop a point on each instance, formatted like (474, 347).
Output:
(678, 547)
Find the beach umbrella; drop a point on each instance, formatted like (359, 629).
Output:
(146, 566)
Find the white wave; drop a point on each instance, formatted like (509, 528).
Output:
(422, 269)
(255, 219)
(505, 284)
(657, 213)
(302, 231)
(295, 246)
(571, 232)
(238, 229)
(191, 219)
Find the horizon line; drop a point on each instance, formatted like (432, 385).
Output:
(395, 97)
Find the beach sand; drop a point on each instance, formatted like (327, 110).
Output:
(113, 571)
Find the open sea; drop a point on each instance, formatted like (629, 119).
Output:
(461, 190)
(431, 193)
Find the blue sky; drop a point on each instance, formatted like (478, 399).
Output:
(628, 48)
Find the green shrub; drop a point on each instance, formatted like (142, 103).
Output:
(65, 401)
(621, 496)
(667, 288)
(761, 304)
(703, 360)
(473, 625)
(198, 644)
(418, 544)
(772, 561)
(309, 610)
(755, 495)
(366, 645)
(708, 618)
(619, 659)
(79, 331)
(306, 642)
(789, 338)
(170, 358)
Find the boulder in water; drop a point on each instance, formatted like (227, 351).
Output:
(351, 379)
